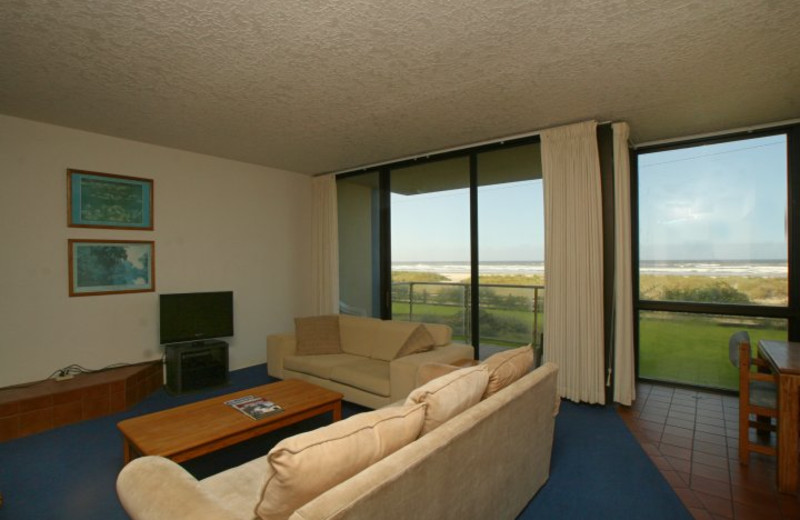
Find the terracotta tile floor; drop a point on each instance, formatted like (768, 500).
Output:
(692, 437)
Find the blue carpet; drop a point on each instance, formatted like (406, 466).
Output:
(598, 469)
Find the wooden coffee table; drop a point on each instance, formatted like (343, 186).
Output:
(188, 431)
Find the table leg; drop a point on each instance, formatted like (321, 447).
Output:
(129, 451)
(337, 411)
(126, 451)
(788, 416)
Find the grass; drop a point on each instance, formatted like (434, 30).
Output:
(415, 276)
(693, 349)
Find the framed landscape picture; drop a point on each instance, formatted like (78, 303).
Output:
(111, 267)
(103, 200)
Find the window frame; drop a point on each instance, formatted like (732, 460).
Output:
(790, 312)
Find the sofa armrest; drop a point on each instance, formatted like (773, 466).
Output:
(278, 347)
(403, 370)
(155, 488)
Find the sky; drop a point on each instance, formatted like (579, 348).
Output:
(723, 201)
(434, 227)
(714, 202)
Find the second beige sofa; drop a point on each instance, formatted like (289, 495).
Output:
(369, 370)
(486, 462)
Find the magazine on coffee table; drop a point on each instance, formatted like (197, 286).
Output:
(254, 407)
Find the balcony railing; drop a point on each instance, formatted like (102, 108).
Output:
(510, 315)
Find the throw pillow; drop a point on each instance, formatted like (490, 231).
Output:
(304, 466)
(442, 334)
(506, 367)
(393, 335)
(419, 341)
(317, 335)
(449, 395)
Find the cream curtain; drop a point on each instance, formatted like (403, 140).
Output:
(573, 335)
(325, 245)
(624, 368)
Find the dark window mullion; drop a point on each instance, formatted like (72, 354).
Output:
(634, 194)
(762, 311)
(385, 244)
(474, 271)
(793, 229)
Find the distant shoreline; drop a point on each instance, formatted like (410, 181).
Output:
(459, 271)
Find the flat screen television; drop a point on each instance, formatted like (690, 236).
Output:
(195, 316)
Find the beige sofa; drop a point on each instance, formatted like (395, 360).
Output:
(486, 461)
(367, 370)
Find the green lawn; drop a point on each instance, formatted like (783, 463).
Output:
(694, 349)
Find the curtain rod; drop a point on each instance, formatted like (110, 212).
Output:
(721, 133)
(426, 155)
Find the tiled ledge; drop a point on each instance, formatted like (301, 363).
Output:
(50, 404)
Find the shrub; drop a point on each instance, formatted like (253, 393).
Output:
(716, 291)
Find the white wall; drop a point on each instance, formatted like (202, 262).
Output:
(219, 225)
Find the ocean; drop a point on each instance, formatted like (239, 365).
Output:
(760, 269)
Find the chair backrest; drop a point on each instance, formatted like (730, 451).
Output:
(733, 346)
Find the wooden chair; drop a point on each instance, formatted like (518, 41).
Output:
(757, 396)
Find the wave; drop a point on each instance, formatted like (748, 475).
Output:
(706, 268)
(510, 268)
(700, 268)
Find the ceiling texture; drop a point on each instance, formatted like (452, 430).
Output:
(324, 85)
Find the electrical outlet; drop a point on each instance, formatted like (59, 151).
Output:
(64, 377)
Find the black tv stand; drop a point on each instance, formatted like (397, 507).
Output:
(198, 365)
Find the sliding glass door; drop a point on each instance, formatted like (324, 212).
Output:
(511, 247)
(430, 243)
(457, 240)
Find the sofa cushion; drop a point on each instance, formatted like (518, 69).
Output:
(430, 371)
(317, 335)
(370, 375)
(306, 465)
(442, 334)
(506, 367)
(420, 340)
(320, 366)
(393, 335)
(449, 395)
(358, 334)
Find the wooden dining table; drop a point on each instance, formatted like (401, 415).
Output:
(784, 359)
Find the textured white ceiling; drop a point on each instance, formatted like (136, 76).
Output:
(329, 85)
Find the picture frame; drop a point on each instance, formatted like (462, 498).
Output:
(111, 267)
(105, 200)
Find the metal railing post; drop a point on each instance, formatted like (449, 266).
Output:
(411, 301)
(467, 313)
(535, 316)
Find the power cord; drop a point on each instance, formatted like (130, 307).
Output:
(74, 369)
